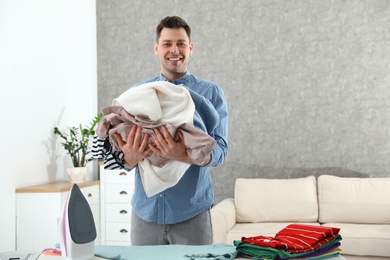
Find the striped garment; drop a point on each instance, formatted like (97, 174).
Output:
(296, 238)
(101, 149)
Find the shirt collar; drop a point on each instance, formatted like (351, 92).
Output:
(179, 81)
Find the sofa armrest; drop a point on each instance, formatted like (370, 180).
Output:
(223, 218)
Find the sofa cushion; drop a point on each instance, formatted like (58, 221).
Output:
(354, 200)
(364, 239)
(276, 200)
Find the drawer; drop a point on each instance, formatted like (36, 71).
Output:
(119, 176)
(118, 212)
(118, 231)
(91, 193)
(119, 193)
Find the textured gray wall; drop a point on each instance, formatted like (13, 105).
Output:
(307, 82)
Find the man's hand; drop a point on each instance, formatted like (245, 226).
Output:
(136, 147)
(165, 146)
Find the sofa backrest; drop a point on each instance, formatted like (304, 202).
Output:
(354, 200)
(276, 200)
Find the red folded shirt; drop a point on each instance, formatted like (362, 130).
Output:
(296, 238)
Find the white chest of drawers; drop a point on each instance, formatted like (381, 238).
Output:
(116, 190)
(38, 209)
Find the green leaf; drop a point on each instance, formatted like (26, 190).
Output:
(76, 141)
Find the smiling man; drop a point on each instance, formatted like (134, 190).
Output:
(180, 214)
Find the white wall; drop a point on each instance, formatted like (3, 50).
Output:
(47, 77)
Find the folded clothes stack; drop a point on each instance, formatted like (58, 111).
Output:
(296, 241)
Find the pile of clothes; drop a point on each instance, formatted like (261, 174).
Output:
(296, 241)
(151, 106)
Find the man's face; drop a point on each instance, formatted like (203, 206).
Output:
(174, 50)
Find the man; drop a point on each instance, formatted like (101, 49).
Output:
(180, 214)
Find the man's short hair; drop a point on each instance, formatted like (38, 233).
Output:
(172, 22)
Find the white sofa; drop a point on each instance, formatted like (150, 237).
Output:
(360, 207)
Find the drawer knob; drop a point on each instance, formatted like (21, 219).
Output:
(123, 193)
(123, 174)
(89, 195)
(123, 211)
(123, 230)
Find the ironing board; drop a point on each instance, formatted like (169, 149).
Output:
(171, 252)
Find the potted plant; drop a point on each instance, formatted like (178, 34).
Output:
(76, 143)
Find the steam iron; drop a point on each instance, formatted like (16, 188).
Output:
(77, 227)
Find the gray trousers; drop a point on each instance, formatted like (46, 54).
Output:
(195, 231)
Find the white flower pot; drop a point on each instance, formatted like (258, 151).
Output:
(77, 174)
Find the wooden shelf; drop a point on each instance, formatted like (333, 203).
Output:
(59, 186)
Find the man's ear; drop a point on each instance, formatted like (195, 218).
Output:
(155, 48)
(191, 47)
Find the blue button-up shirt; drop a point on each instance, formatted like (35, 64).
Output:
(193, 193)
